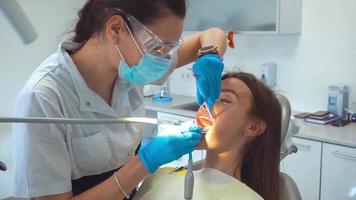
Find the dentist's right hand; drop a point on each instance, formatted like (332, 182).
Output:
(166, 148)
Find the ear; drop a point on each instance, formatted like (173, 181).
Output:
(113, 28)
(255, 128)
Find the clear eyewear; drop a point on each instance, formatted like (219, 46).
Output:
(148, 41)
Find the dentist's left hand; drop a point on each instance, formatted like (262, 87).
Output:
(208, 70)
(166, 148)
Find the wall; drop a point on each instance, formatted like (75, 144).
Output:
(323, 54)
(52, 19)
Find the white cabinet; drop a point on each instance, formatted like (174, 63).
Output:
(245, 16)
(338, 179)
(304, 167)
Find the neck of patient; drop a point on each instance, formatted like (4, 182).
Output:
(228, 162)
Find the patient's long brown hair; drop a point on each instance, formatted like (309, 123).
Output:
(260, 167)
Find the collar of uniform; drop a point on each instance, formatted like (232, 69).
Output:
(89, 100)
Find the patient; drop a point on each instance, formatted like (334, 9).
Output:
(242, 147)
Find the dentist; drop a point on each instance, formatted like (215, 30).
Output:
(118, 46)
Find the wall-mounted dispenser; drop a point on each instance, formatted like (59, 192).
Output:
(268, 74)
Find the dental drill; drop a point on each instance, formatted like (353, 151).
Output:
(209, 110)
(189, 176)
(189, 180)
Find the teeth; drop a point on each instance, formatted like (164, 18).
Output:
(203, 119)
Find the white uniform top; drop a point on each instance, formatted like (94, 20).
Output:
(48, 156)
(209, 184)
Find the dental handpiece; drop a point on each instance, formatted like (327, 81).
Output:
(189, 180)
(209, 110)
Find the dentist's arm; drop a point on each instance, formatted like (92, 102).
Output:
(188, 52)
(161, 150)
(207, 68)
(130, 175)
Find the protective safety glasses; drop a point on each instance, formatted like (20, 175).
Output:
(148, 41)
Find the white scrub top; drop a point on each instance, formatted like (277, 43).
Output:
(209, 184)
(48, 156)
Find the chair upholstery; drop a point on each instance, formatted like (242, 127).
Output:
(288, 188)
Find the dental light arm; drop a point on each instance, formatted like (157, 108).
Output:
(18, 20)
(40, 120)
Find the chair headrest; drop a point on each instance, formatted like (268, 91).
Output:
(286, 114)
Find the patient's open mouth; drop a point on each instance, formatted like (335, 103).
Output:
(204, 122)
(203, 118)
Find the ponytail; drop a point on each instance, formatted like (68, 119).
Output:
(95, 13)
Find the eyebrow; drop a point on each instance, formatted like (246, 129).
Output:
(230, 91)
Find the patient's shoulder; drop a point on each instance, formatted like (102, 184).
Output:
(218, 183)
(165, 183)
(209, 184)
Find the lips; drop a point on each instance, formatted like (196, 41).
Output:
(203, 118)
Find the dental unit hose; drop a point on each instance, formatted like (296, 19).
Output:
(189, 180)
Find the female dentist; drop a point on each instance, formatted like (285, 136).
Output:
(118, 46)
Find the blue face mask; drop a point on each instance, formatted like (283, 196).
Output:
(150, 68)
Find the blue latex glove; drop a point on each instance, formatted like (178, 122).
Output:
(208, 70)
(167, 148)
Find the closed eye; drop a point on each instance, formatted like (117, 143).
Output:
(224, 101)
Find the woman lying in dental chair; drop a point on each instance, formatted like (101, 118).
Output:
(242, 147)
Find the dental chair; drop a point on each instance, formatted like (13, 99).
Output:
(288, 188)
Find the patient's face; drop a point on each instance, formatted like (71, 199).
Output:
(231, 116)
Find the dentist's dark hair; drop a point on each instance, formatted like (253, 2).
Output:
(260, 166)
(95, 13)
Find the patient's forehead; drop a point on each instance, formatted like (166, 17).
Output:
(237, 86)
